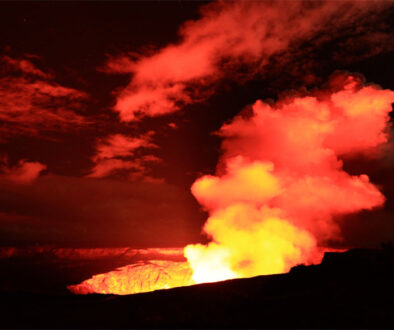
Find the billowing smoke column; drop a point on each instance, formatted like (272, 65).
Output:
(281, 187)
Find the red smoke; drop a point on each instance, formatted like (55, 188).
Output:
(281, 185)
(230, 34)
(280, 188)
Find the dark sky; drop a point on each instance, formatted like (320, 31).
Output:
(77, 169)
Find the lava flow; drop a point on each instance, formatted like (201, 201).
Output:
(280, 190)
(140, 277)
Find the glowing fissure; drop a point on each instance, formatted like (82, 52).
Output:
(280, 187)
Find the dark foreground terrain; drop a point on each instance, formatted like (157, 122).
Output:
(354, 289)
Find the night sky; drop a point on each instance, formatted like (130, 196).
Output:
(83, 166)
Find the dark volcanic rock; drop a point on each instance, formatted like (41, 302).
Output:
(348, 290)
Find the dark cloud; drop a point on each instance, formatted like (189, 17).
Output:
(82, 211)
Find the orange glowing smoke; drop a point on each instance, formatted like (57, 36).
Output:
(280, 188)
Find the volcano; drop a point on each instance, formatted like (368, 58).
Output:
(352, 289)
(196, 164)
(281, 190)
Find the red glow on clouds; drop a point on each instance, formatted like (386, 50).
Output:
(24, 172)
(118, 152)
(211, 48)
(25, 66)
(31, 103)
(120, 146)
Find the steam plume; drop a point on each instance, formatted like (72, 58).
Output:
(281, 185)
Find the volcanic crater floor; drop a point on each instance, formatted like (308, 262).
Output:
(353, 289)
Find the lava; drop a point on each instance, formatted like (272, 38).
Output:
(280, 189)
(138, 278)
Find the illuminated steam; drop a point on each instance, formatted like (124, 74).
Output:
(283, 183)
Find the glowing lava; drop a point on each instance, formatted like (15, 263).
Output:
(280, 188)
(137, 278)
